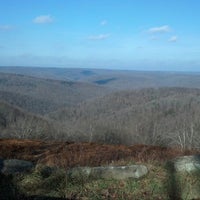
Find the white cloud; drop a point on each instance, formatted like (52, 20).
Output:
(43, 19)
(6, 27)
(173, 39)
(99, 37)
(160, 29)
(104, 22)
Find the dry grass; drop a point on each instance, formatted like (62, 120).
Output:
(160, 183)
(157, 185)
(66, 154)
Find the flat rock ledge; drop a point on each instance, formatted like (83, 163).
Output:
(186, 163)
(110, 172)
(13, 166)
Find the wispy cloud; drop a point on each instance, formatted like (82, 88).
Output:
(103, 23)
(159, 29)
(43, 19)
(99, 37)
(154, 37)
(173, 39)
(6, 27)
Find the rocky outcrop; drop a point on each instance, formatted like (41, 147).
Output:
(186, 163)
(185, 171)
(110, 172)
(13, 166)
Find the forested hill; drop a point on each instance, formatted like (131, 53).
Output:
(98, 112)
(165, 116)
(45, 95)
(17, 123)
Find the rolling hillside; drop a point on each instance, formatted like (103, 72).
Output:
(98, 112)
(17, 123)
(45, 95)
(165, 116)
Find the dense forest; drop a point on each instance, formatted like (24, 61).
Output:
(77, 106)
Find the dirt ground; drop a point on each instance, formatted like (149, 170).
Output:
(69, 154)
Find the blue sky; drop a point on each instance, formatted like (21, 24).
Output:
(114, 34)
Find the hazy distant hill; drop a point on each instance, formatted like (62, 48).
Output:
(45, 95)
(115, 79)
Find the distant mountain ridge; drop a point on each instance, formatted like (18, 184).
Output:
(114, 79)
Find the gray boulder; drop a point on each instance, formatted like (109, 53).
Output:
(185, 171)
(13, 166)
(186, 163)
(110, 172)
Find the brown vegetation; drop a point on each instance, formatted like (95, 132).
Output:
(66, 154)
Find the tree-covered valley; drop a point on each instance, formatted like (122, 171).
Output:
(155, 108)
